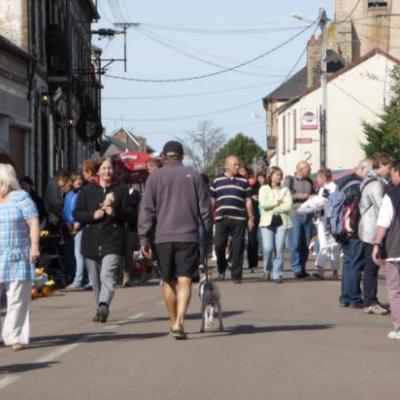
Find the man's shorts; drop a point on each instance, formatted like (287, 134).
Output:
(177, 259)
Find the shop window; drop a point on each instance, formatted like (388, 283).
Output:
(377, 4)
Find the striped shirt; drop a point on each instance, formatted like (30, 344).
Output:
(230, 195)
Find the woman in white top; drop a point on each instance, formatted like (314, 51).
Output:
(328, 247)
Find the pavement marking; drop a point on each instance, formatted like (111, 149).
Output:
(116, 324)
(52, 356)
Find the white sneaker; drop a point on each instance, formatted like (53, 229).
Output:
(394, 335)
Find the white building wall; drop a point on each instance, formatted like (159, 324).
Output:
(355, 96)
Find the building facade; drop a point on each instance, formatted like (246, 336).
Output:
(50, 117)
(356, 93)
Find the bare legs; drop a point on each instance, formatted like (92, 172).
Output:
(177, 299)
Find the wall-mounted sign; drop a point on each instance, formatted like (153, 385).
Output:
(304, 140)
(309, 119)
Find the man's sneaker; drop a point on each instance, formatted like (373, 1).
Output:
(266, 276)
(221, 277)
(376, 309)
(394, 335)
(103, 311)
(74, 286)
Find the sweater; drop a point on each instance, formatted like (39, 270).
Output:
(269, 198)
(175, 201)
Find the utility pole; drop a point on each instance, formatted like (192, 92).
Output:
(323, 21)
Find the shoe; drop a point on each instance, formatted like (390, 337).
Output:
(335, 275)
(237, 281)
(376, 309)
(266, 276)
(103, 312)
(73, 286)
(356, 305)
(96, 317)
(301, 275)
(88, 287)
(344, 305)
(178, 334)
(221, 277)
(279, 280)
(394, 335)
(319, 274)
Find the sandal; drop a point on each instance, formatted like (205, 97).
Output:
(178, 334)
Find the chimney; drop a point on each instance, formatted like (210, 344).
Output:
(313, 62)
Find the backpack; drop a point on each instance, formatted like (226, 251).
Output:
(342, 218)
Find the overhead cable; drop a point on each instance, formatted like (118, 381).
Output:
(211, 74)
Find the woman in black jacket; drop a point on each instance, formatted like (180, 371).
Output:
(102, 208)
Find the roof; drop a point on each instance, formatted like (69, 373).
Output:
(297, 84)
(338, 73)
(112, 140)
(290, 88)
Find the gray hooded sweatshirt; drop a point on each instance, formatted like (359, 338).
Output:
(372, 192)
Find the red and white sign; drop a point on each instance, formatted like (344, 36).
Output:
(304, 140)
(309, 119)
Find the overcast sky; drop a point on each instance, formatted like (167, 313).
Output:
(223, 32)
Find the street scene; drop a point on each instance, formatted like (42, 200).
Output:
(199, 200)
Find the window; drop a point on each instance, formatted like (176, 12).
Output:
(294, 129)
(377, 4)
(284, 134)
(288, 132)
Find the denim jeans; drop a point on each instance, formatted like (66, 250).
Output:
(274, 241)
(353, 265)
(79, 260)
(299, 242)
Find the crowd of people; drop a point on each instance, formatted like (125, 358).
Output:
(180, 219)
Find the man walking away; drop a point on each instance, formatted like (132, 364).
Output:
(387, 247)
(231, 196)
(301, 187)
(174, 202)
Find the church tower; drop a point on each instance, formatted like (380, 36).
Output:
(362, 25)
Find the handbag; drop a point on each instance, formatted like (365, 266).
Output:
(276, 221)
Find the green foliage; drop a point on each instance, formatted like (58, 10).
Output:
(385, 135)
(241, 146)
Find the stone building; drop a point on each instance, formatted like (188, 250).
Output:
(357, 29)
(49, 85)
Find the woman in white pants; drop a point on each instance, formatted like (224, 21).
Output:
(19, 249)
(329, 249)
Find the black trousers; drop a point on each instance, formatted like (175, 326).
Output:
(370, 277)
(252, 247)
(236, 230)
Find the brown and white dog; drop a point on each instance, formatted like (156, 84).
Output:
(210, 297)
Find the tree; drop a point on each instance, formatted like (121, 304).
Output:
(385, 135)
(242, 146)
(202, 144)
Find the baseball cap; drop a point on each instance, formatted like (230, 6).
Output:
(172, 148)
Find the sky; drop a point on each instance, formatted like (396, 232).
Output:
(184, 39)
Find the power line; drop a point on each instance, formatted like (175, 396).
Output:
(183, 95)
(140, 132)
(156, 39)
(188, 116)
(196, 50)
(277, 47)
(221, 31)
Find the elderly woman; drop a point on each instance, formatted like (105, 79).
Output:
(19, 249)
(102, 208)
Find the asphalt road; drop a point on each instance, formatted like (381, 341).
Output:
(288, 341)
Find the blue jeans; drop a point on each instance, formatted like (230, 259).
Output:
(79, 260)
(274, 241)
(299, 242)
(353, 265)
